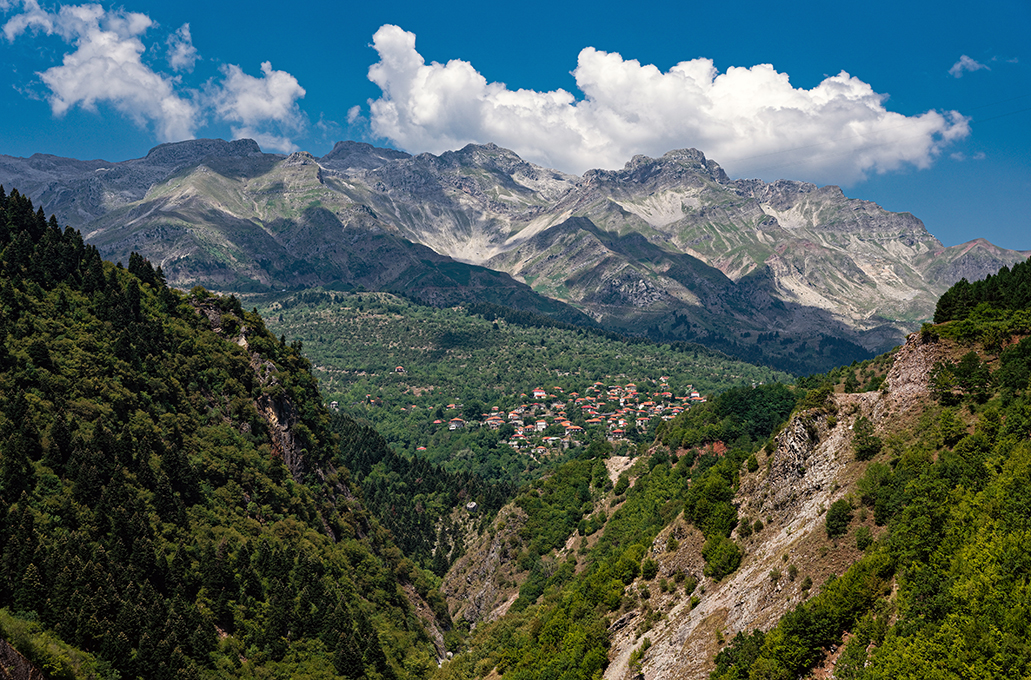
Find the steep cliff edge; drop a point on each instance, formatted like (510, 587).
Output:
(812, 465)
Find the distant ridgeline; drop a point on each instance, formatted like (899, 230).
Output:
(170, 498)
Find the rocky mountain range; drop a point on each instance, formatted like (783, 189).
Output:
(786, 273)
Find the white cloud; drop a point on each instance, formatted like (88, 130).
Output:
(750, 120)
(32, 16)
(106, 66)
(182, 55)
(960, 156)
(257, 102)
(964, 65)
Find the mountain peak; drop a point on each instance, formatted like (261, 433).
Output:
(670, 167)
(300, 158)
(689, 154)
(194, 150)
(489, 154)
(351, 154)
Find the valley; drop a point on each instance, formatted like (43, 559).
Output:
(456, 362)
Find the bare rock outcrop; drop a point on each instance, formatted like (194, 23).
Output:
(812, 466)
(14, 666)
(480, 585)
(907, 381)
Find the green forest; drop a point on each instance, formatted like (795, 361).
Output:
(152, 525)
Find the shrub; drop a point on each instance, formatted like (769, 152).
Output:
(952, 429)
(649, 569)
(838, 517)
(864, 442)
(638, 654)
(722, 557)
(864, 538)
(815, 398)
(622, 484)
(744, 530)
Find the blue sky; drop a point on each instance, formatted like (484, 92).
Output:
(923, 108)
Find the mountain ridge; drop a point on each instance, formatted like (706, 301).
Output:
(809, 259)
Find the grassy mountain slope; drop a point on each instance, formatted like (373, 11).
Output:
(255, 222)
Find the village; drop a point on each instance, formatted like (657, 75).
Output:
(545, 421)
(551, 419)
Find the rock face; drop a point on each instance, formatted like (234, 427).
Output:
(670, 247)
(812, 466)
(14, 666)
(478, 585)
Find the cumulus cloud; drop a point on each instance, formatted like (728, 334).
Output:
(966, 65)
(750, 120)
(182, 55)
(254, 103)
(107, 66)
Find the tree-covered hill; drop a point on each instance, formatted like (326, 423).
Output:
(172, 502)
(1007, 291)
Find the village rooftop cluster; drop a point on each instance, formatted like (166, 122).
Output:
(546, 420)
